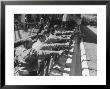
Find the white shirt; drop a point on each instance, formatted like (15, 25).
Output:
(37, 45)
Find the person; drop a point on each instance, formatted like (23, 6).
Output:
(38, 44)
(26, 60)
(19, 59)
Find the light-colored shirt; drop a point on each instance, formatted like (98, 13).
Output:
(37, 45)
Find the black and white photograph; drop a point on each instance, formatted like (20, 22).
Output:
(58, 44)
(55, 45)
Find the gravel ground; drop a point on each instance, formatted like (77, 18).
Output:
(91, 53)
(90, 44)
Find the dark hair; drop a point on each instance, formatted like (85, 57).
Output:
(41, 38)
(28, 44)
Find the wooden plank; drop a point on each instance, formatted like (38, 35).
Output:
(76, 61)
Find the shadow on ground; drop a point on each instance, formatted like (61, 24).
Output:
(90, 36)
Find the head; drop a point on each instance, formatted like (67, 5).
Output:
(42, 38)
(28, 43)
